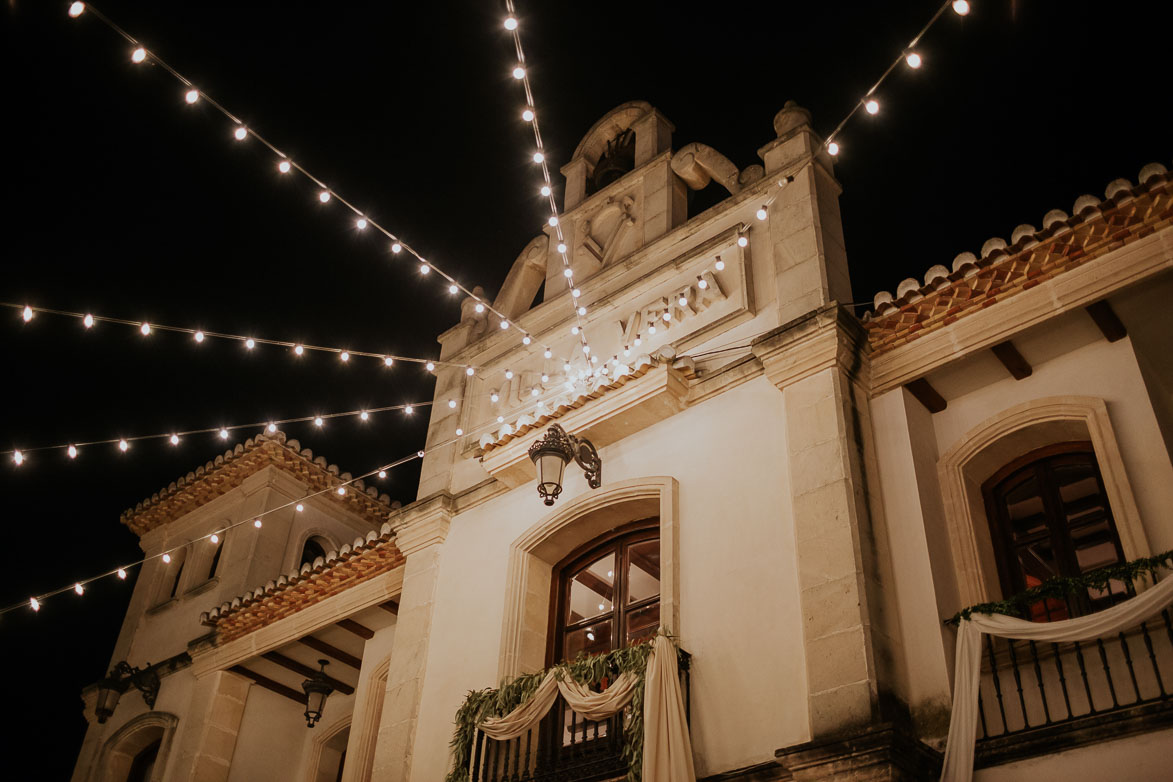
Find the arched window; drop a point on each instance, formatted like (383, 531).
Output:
(1049, 516)
(312, 549)
(607, 595)
(216, 556)
(617, 159)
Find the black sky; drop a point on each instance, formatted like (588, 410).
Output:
(122, 200)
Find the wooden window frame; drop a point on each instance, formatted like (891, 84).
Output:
(618, 540)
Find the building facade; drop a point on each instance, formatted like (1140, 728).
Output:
(798, 495)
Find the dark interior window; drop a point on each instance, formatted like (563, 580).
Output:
(608, 597)
(617, 159)
(1049, 517)
(143, 764)
(311, 551)
(216, 558)
(177, 563)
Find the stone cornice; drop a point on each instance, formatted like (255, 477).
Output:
(823, 338)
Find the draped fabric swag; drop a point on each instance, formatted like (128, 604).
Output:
(667, 749)
(959, 751)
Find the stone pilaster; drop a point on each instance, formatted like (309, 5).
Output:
(212, 724)
(420, 540)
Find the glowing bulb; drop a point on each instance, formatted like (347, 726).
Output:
(272, 427)
(361, 224)
(702, 283)
(651, 329)
(33, 602)
(526, 340)
(519, 72)
(424, 268)
(214, 538)
(719, 265)
(298, 349)
(833, 149)
(494, 397)
(470, 371)
(626, 352)
(429, 366)
(72, 451)
(397, 248)
(453, 289)
(250, 343)
(240, 134)
(683, 302)
(528, 115)
(638, 341)
(257, 523)
(75, 10)
(504, 324)
(667, 316)
(574, 330)
(500, 419)
(451, 403)
(318, 421)
(545, 378)
(284, 166)
(582, 310)
(872, 106)
(138, 55)
(344, 356)
(548, 353)
(382, 473)
(961, 7)
(388, 361)
(341, 491)
(567, 272)
(166, 558)
(539, 157)
(223, 434)
(545, 191)
(191, 96)
(27, 313)
(913, 59)
(364, 415)
(18, 457)
(510, 23)
(602, 606)
(174, 439)
(122, 574)
(742, 241)
(586, 348)
(198, 336)
(553, 221)
(145, 329)
(562, 248)
(509, 374)
(590, 636)
(459, 432)
(123, 445)
(88, 321)
(761, 213)
(324, 196)
(408, 409)
(480, 307)
(299, 507)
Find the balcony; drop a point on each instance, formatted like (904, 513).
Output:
(1038, 698)
(564, 747)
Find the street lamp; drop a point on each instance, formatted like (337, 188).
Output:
(122, 677)
(554, 451)
(317, 689)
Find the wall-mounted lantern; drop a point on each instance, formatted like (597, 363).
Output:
(317, 689)
(554, 451)
(122, 677)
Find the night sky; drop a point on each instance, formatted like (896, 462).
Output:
(122, 200)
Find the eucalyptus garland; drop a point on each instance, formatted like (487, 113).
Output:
(591, 670)
(1062, 586)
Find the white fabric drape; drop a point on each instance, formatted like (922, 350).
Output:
(967, 668)
(667, 748)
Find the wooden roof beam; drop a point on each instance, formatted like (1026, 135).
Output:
(271, 685)
(351, 626)
(331, 651)
(926, 395)
(1015, 364)
(1107, 320)
(305, 670)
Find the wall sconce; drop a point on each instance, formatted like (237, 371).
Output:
(554, 451)
(122, 677)
(317, 689)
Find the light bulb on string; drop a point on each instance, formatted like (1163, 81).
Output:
(240, 134)
(451, 403)
(198, 336)
(527, 115)
(549, 353)
(138, 55)
(504, 324)
(742, 241)
(582, 310)
(324, 196)
(382, 473)
(364, 415)
(26, 314)
(396, 248)
(568, 272)
(166, 558)
(872, 106)
(123, 445)
(122, 574)
(510, 23)
(453, 289)
(459, 432)
(388, 361)
(576, 293)
(257, 523)
(344, 356)
(761, 213)
(519, 73)
(494, 397)
(298, 349)
(913, 60)
(72, 451)
(562, 248)
(75, 10)
(702, 283)
(479, 308)
(250, 343)
(341, 491)
(832, 148)
(272, 428)
(430, 366)
(284, 166)
(553, 221)
(545, 191)
(191, 96)
(18, 457)
(88, 321)
(470, 371)
(960, 7)
(424, 268)
(509, 374)
(174, 439)
(299, 507)
(33, 602)
(719, 265)
(145, 329)
(574, 330)
(408, 410)
(223, 434)
(213, 538)
(361, 224)
(526, 340)
(539, 157)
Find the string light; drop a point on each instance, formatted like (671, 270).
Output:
(71, 451)
(451, 403)
(89, 320)
(519, 72)
(396, 248)
(913, 59)
(452, 289)
(545, 191)
(361, 224)
(214, 538)
(138, 55)
(223, 434)
(510, 23)
(123, 446)
(833, 148)
(300, 507)
(527, 115)
(324, 196)
(257, 523)
(743, 240)
(382, 473)
(961, 7)
(191, 96)
(18, 457)
(284, 167)
(363, 416)
(33, 602)
(166, 558)
(174, 439)
(75, 10)
(318, 421)
(872, 106)
(240, 134)
(121, 573)
(719, 265)
(344, 356)
(761, 213)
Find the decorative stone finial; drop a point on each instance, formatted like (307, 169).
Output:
(791, 117)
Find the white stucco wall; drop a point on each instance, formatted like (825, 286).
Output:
(738, 589)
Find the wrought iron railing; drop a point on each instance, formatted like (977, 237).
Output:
(563, 748)
(1029, 686)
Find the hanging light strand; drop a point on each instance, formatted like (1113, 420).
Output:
(89, 320)
(909, 56)
(530, 115)
(340, 487)
(123, 443)
(286, 165)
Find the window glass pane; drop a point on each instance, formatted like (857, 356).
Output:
(1079, 491)
(1024, 509)
(1037, 561)
(643, 572)
(592, 590)
(593, 639)
(642, 623)
(1095, 545)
